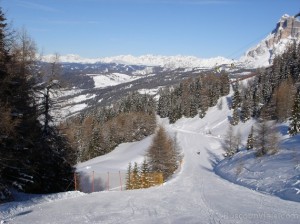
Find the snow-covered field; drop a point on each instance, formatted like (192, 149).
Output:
(113, 79)
(194, 195)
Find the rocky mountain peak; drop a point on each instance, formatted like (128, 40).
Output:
(287, 30)
(287, 27)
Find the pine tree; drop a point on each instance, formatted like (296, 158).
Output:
(225, 84)
(129, 184)
(37, 163)
(235, 117)
(250, 140)
(236, 98)
(294, 127)
(145, 175)
(135, 178)
(245, 110)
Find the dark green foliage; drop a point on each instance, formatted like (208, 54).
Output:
(245, 109)
(250, 140)
(272, 88)
(192, 97)
(295, 118)
(236, 98)
(32, 160)
(235, 117)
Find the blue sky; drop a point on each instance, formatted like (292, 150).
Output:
(103, 28)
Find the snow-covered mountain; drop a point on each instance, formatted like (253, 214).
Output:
(112, 77)
(286, 32)
(178, 61)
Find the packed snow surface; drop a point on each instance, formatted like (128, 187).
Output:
(194, 195)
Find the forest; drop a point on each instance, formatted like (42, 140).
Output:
(34, 156)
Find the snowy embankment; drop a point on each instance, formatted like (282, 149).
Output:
(277, 174)
(195, 195)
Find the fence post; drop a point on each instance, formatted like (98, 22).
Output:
(93, 182)
(108, 181)
(120, 179)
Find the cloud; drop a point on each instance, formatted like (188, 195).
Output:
(36, 6)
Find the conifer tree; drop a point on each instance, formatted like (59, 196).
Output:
(145, 175)
(236, 98)
(295, 119)
(245, 110)
(235, 117)
(250, 140)
(129, 185)
(136, 179)
(225, 84)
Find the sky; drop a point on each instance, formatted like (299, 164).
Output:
(105, 28)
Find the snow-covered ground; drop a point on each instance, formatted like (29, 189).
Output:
(113, 79)
(277, 174)
(194, 195)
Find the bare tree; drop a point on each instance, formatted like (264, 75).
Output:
(230, 142)
(266, 138)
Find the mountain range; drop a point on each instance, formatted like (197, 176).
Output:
(261, 55)
(107, 79)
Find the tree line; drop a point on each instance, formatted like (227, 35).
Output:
(273, 95)
(34, 156)
(192, 96)
(97, 132)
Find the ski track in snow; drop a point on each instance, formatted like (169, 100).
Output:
(194, 195)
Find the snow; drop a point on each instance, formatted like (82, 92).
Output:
(258, 56)
(112, 162)
(76, 108)
(195, 195)
(148, 60)
(149, 91)
(262, 55)
(113, 79)
(258, 173)
(81, 98)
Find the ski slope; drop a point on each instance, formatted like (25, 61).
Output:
(194, 195)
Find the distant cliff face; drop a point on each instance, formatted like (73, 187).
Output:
(286, 31)
(287, 27)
